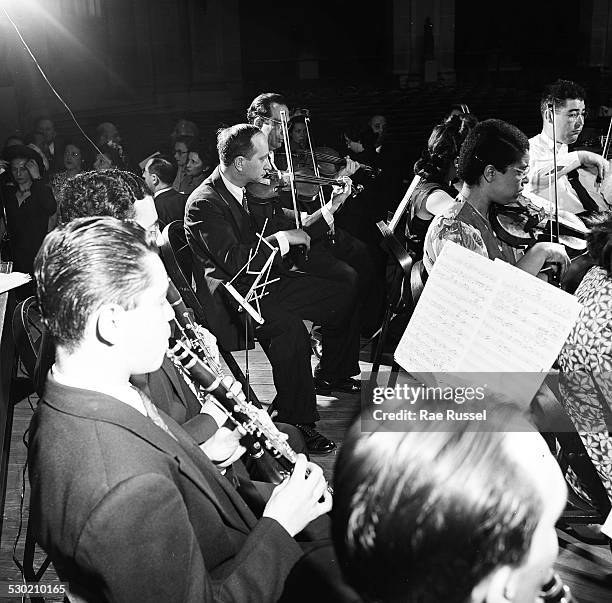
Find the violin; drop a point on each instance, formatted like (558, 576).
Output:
(277, 180)
(329, 161)
(524, 223)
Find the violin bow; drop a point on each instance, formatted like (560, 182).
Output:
(315, 168)
(292, 186)
(403, 205)
(556, 193)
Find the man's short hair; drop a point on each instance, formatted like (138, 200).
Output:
(426, 514)
(260, 107)
(85, 264)
(164, 168)
(236, 141)
(100, 193)
(491, 142)
(559, 92)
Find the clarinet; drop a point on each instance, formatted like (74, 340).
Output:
(263, 437)
(556, 591)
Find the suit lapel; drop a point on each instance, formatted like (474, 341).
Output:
(192, 462)
(240, 217)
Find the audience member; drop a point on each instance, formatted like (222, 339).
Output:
(181, 155)
(159, 174)
(51, 144)
(29, 206)
(73, 164)
(198, 166)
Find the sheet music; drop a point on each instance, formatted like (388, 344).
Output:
(476, 315)
(12, 280)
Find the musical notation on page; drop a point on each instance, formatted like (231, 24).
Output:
(481, 316)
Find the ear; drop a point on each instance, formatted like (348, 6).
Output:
(109, 323)
(258, 122)
(548, 113)
(495, 588)
(239, 162)
(489, 173)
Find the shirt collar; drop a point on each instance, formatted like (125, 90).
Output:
(160, 191)
(126, 394)
(236, 191)
(548, 141)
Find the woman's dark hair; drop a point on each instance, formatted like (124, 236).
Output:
(100, 193)
(491, 142)
(599, 240)
(443, 148)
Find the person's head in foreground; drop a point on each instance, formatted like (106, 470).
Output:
(115, 193)
(454, 516)
(102, 290)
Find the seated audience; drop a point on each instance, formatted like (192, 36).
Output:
(459, 515)
(133, 510)
(180, 152)
(73, 164)
(29, 206)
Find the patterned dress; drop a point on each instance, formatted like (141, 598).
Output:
(464, 225)
(586, 365)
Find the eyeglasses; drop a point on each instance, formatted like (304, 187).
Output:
(181, 152)
(522, 173)
(73, 154)
(277, 122)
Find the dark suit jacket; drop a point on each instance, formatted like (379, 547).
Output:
(221, 237)
(127, 513)
(170, 206)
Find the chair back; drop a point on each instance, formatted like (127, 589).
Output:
(27, 333)
(176, 255)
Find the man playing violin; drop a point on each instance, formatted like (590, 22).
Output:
(347, 260)
(494, 165)
(222, 236)
(565, 99)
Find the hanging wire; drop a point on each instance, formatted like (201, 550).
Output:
(57, 94)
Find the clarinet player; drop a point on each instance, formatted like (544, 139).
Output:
(124, 501)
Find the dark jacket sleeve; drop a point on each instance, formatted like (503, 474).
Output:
(211, 233)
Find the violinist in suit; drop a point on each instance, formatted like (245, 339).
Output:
(569, 112)
(124, 501)
(340, 257)
(222, 236)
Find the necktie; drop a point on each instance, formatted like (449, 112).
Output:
(245, 205)
(153, 414)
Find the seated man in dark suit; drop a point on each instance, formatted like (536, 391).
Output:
(159, 174)
(223, 238)
(123, 500)
(447, 511)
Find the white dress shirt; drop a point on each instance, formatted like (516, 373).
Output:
(541, 170)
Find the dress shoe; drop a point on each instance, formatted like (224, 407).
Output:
(316, 443)
(346, 386)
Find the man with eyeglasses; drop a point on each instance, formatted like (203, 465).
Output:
(565, 100)
(347, 260)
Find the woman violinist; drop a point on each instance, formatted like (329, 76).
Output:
(493, 164)
(437, 168)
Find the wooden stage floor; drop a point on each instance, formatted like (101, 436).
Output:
(586, 569)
